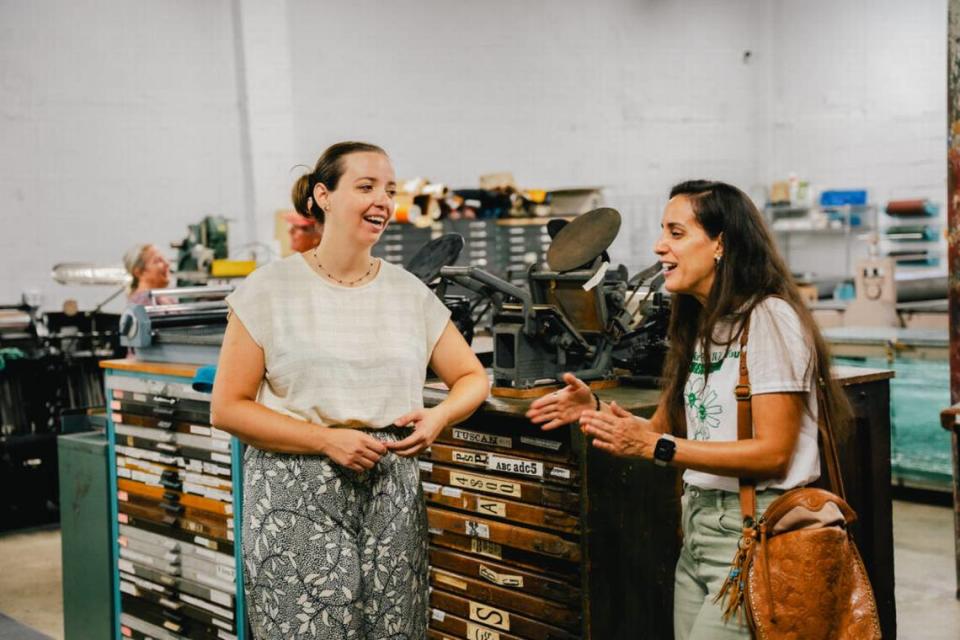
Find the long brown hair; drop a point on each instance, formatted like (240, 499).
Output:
(750, 270)
(328, 171)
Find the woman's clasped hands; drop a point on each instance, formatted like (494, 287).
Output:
(427, 425)
(619, 432)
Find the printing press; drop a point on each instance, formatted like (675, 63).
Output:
(188, 330)
(574, 314)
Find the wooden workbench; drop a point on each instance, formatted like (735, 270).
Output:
(629, 530)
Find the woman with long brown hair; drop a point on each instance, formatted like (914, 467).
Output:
(726, 277)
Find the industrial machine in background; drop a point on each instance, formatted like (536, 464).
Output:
(191, 330)
(466, 310)
(203, 254)
(49, 364)
(574, 314)
(206, 241)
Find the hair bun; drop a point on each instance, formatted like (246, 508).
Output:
(302, 194)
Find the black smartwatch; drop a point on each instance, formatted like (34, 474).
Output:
(663, 451)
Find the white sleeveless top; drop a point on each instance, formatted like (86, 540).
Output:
(780, 359)
(352, 356)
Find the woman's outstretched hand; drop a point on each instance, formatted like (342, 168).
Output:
(620, 433)
(561, 407)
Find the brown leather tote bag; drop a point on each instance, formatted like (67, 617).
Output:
(797, 573)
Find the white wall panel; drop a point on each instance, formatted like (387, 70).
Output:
(633, 96)
(119, 125)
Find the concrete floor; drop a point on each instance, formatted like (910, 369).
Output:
(30, 581)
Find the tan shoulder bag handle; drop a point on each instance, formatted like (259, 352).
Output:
(748, 486)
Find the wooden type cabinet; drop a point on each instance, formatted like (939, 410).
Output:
(536, 535)
(175, 496)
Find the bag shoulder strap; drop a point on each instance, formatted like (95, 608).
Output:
(748, 486)
(828, 444)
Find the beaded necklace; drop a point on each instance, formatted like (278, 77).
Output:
(346, 283)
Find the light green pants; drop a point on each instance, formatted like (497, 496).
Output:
(711, 530)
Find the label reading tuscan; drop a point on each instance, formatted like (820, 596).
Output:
(502, 579)
(515, 465)
(491, 616)
(476, 529)
(476, 632)
(486, 485)
(482, 438)
(486, 548)
(474, 458)
(543, 443)
(491, 507)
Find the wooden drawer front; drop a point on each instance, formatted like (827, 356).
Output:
(161, 407)
(501, 508)
(510, 556)
(536, 493)
(506, 576)
(527, 539)
(154, 422)
(508, 599)
(502, 437)
(447, 623)
(499, 619)
(511, 466)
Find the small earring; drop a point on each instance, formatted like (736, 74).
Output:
(716, 259)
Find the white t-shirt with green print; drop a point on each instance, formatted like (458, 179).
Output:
(780, 359)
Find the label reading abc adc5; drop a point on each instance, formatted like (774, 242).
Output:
(515, 465)
(482, 438)
(503, 464)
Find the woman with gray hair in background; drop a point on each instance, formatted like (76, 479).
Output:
(149, 270)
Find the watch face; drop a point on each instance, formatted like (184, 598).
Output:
(664, 450)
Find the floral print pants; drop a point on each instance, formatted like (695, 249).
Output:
(330, 553)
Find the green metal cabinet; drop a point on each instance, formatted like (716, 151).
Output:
(85, 536)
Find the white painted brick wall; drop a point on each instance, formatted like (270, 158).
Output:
(858, 101)
(630, 95)
(118, 123)
(121, 121)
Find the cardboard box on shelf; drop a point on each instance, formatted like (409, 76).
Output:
(575, 200)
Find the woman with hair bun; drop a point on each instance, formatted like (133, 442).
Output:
(731, 292)
(321, 373)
